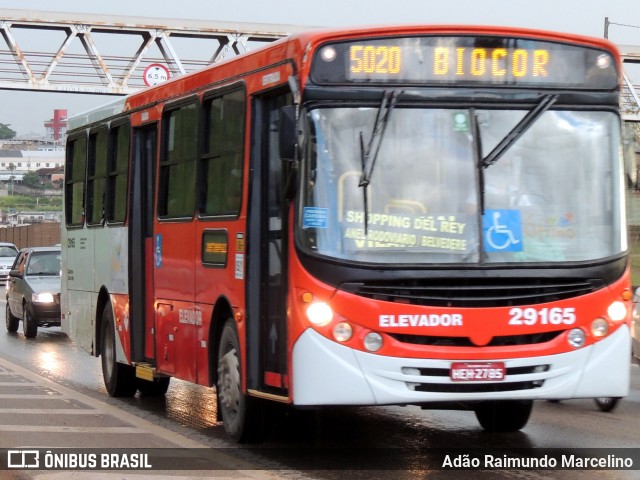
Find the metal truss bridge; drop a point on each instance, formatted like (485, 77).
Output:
(104, 54)
(630, 97)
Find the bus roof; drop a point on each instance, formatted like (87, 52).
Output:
(107, 110)
(295, 47)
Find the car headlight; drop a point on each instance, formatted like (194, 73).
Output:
(44, 297)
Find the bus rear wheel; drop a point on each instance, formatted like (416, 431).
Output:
(242, 416)
(504, 416)
(119, 379)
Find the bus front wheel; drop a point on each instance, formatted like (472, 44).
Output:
(606, 404)
(119, 379)
(504, 416)
(242, 416)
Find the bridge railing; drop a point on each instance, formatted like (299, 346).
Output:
(106, 54)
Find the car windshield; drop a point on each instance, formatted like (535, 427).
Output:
(8, 251)
(44, 263)
(550, 196)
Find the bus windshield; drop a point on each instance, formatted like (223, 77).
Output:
(551, 196)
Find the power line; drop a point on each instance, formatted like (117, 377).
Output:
(624, 25)
(607, 23)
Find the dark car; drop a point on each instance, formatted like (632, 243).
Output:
(33, 290)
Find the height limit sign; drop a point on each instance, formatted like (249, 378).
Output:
(155, 73)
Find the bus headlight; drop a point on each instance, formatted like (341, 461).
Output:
(373, 341)
(44, 297)
(319, 313)
(342, 332)
(599, 327)
(617, 311)
(576, 338)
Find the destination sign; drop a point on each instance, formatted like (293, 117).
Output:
(465, 60)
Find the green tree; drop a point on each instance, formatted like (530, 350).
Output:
(30, 179)
(6, 133)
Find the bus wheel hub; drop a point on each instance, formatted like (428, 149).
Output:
(229, 380)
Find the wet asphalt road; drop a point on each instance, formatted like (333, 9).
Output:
(372, 439)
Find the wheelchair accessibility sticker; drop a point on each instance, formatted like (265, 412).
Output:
(502, 230)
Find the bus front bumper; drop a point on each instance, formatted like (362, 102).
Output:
(327, 373)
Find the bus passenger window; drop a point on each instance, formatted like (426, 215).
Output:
(118, 175)
(96, 176)
(75, 181)
(177, 166)
(221, 163)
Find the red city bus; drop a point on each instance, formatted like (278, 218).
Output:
(402, 215)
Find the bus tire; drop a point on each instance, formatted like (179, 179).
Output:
(157, 388)
(242, 416)
(29, 324)
(503, 416)
(119, 379)
(11, 321)
(606, 404)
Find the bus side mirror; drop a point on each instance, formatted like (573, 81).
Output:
(288, 135)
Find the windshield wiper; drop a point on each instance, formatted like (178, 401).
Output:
(369, 154)
(477, 150)
(516, 132)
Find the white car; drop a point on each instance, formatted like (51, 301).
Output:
(33, 291)
(8, 253)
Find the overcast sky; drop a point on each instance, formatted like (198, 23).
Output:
(26, 111)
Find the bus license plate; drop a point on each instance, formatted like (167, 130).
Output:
(477, 372)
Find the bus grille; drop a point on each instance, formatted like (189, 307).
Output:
(474, 292)
(477, 387)
(498, 341)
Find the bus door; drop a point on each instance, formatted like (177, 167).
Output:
(174, 241)
(267, 260)
(141, 251)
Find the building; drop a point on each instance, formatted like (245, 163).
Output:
(19, 162)
(57, 126)
(54, 176)
(47, 161)
(18, 157)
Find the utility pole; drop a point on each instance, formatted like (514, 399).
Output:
(11, 168)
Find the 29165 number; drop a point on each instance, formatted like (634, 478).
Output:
(542, 316)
